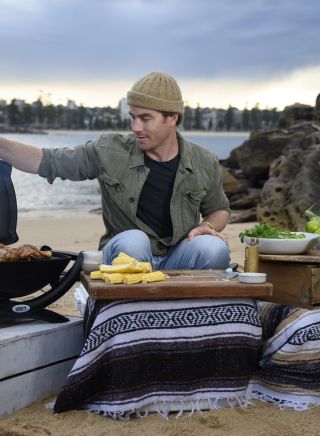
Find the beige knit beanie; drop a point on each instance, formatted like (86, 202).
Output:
(157, 91)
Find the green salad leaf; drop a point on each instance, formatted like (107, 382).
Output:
(263, 230)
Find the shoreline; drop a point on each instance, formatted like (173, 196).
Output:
(30, 214)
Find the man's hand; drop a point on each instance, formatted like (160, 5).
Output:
(212, 224)
(204, 229)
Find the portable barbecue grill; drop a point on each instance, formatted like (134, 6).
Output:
(21, 278)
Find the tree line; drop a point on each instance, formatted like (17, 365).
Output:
(21, 116)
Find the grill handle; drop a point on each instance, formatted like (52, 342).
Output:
(56, 292)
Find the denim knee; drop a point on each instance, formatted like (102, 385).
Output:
(210, 252)
(201, 252)
(134, 242)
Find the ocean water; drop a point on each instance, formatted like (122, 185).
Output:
(35, 196)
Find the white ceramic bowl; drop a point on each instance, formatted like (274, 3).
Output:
(286, 246)
(252, 277)
(91, 261)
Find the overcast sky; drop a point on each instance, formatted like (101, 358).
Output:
(224, 52)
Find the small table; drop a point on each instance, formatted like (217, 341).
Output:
(296, 278)
(180, 284)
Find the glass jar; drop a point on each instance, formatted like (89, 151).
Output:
(251, 258)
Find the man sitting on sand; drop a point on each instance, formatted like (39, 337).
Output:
(154, 183)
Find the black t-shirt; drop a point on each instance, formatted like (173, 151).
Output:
(155, 197)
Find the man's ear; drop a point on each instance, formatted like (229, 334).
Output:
(174, 119)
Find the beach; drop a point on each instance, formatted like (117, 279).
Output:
(76, 231)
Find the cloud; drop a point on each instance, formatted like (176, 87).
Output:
(67, 41)
(302, 85)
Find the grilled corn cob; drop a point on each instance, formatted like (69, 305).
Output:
(146, 267)
(126, 269)
(131, 279)
(156, 276)
(132, 267)
(113, 279)
(95, 275)
(122, 258)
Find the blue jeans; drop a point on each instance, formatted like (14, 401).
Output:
(202, 252)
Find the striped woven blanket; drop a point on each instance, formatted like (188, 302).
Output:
(289, 369)
(166, 355)
(178, 355)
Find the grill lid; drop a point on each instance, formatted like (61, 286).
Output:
(8, 206)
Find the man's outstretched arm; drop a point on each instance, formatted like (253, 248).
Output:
(21, 156)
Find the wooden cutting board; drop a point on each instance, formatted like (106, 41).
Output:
(180, 284)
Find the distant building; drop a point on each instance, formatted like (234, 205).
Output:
(3, 118)
(124, 109)
(19, 104)
(221, 113)
(237, 124)
(209, 119)
(72, 105)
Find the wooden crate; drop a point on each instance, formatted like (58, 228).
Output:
(295, 278)
(35, 359)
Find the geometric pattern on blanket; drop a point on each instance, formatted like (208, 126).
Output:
(289, 370)
(149, 355)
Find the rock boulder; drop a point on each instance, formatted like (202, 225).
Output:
(255, 155)
(296, 112)
(293, 187)
(280, 174)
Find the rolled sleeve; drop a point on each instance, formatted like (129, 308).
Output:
(76, 164)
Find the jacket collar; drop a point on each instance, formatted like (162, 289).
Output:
(185, 154)
(137, 155)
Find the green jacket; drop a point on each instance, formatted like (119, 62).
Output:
(118, 164)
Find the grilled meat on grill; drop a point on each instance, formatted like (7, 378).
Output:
(24, 252)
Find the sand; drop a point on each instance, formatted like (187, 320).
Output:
(76, 232)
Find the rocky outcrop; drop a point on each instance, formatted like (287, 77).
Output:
(280, 175)
(254, 156)
(242, 198)
(296, 112)
(232, 182)
(293, 186)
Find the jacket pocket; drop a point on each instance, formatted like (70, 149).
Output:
(190, 206)
(112, 183)
(194, 196)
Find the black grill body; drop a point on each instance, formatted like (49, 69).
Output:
(19, 279)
